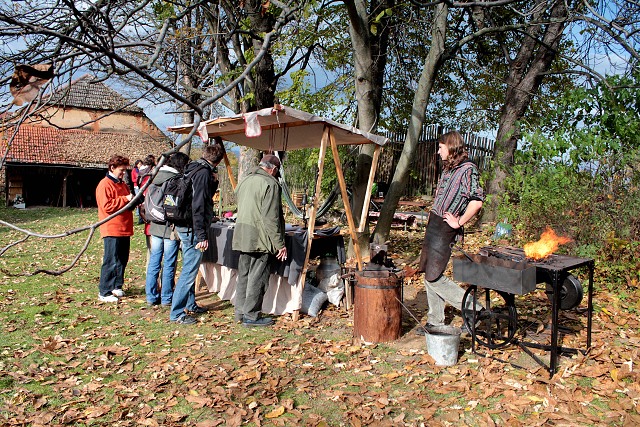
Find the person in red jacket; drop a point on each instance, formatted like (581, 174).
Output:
(112, 194)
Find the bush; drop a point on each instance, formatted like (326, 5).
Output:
(581, 178)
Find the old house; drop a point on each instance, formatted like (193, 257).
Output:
(58, 157)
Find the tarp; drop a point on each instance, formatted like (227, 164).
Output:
(280, 128)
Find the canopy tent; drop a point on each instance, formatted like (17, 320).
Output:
(282, 128)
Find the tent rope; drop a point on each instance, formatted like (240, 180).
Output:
(323, 209)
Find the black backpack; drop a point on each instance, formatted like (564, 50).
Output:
(152, 210)
(177, 194)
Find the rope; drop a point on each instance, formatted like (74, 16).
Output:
(323, 209)
(326, 205)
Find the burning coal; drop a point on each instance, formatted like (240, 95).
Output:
(548, 243)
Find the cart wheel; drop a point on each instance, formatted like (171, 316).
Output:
(571, 293)
(496, 323)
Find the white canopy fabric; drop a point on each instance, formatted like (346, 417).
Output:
(280, 128)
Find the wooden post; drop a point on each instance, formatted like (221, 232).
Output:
(312, 214)
(367, 194)
(229, 171)
(345, 199)
(64, 189)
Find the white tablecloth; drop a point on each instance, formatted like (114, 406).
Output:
(284, 294)
(280, 298)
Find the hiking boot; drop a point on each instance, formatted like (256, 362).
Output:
(421, 329)
(260, 322)
(198, 310)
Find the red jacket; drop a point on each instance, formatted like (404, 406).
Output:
(111, 196)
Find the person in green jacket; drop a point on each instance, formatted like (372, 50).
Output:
(259, 237)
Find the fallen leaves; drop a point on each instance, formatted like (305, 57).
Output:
(310, 373)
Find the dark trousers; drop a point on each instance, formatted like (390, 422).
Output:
(114, 261)
(253, 279)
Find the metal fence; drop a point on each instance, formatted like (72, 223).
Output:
(425, 166)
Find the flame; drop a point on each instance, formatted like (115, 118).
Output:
(548, 243)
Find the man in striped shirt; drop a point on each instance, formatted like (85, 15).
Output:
(458, 199)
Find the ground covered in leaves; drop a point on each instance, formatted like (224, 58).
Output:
(67, 359)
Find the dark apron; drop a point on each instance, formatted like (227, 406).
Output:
(436, 247)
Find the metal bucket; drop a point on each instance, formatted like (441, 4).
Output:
(442, 344)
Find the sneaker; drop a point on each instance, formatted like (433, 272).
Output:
(262, 321)
(107, 298)
(198, 310)
(185, 320)
(118, 292)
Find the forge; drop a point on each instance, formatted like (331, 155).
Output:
(497, 274)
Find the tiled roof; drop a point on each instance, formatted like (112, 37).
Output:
(86, 93)
(46, 145)
(34, 145)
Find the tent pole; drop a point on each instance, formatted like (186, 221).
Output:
(345, 199)
(367, 194)
(312, 215)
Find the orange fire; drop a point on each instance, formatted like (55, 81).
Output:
(548, 243)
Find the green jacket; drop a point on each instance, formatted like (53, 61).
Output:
(260, 220)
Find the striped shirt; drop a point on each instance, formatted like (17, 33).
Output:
(456, 188)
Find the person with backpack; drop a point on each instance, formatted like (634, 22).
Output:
(139, 181)
(259, 237)
(163, 254)
(192, 226)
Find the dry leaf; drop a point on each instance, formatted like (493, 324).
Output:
(276, 412)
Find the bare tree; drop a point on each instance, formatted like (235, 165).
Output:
(370, 60)
(127, 40)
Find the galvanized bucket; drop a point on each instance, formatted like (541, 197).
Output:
(443, 343)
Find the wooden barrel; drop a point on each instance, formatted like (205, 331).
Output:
(377, 313)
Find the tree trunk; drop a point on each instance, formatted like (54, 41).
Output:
(400, 178)
(370, 59)
(526, 72)
(263, 76)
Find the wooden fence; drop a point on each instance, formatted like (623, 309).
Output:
(425, 167)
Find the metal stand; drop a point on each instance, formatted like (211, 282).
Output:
(557, 278)
(496, 339)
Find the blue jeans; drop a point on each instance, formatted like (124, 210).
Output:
(114, 261)
(184, 295)
(167, 249)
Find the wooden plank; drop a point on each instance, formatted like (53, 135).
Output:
(345, 197)
(232, 179)
(367, 194)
